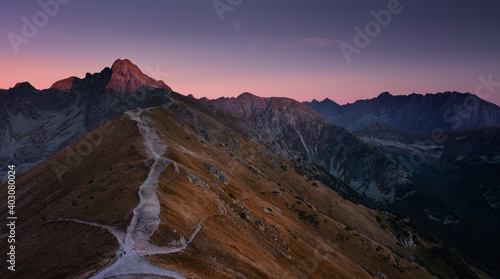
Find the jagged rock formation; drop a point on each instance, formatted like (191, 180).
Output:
(329, 146)
(126, 77)
(36, 123)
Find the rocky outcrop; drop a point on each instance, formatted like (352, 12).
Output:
(329, 146)
(36, 123)
(127, 77)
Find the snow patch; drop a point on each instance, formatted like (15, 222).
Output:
(492, 197)
(446, 220)
(460, 157)
(189, 151)
(414, 146)
(382, 275)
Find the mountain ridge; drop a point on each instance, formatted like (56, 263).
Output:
(327, 145)
(414, 112)
(69, 109)
(123, 77)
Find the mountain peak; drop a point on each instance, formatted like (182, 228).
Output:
(123, 64)
(329, 102)
(24, 86)
(384, 94)
(64, 84)
(21, 90)
(127, 77)
(247, 95)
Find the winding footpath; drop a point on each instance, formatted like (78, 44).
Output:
(145, 220)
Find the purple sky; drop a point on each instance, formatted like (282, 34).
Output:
(270, 48)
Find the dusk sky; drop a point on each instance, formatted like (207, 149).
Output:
(269, 48)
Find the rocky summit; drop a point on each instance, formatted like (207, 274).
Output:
(36, 123)
(126, 77)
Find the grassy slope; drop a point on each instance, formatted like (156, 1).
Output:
(269, 221)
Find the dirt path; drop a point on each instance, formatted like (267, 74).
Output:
(145, 220)
(118, 235)
(157, 250)
(134, 243)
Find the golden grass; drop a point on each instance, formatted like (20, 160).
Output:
(296, 228)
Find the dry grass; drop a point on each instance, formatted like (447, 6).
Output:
(296, 226)
(102, 189)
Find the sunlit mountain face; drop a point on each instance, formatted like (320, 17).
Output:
(143, 181)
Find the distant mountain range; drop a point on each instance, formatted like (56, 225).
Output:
(329, 146)
(462, 170)
(248, 187)
(415, 112)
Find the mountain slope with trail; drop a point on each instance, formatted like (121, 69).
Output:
(233, 202)
(189, 190)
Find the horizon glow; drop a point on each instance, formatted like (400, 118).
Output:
(283, 49)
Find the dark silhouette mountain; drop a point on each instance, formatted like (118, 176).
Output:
(324, 106)
(462, 168)
(35, 123)
(466, 163)
(20, 91)
(415, 112)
